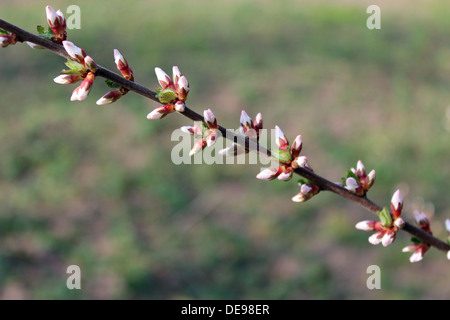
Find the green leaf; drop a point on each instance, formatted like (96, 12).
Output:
(416, 240)
(305, 181)
(4, 32)
(167, 95)
(385, 217)
(281, 155)
(349, 174)
(112, 84)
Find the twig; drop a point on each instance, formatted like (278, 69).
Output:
(249, 145)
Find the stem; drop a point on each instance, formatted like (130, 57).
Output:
(249, 145)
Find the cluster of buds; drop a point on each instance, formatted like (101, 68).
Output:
(127, 73)
(172, 93)
(249, 129)
(288, 157)
(7, 38)
(57, 24)
(358, 181)
(81, 67)
(388, 226)
(419, 248)
(208, 133)
(307, 191)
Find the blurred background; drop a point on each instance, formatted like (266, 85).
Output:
(95, 186)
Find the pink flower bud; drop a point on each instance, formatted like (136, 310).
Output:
(258, 125)
(367, 225)
(122, 65)
(163, 79)
(180, 106)
(418, 254)
(68, 78)
(399, 223)
(233, 150)
(422, 221)
(281, 139)
(6, 40)
(370, 180)
(33, 45)
(77, 54)
(176, 74)
(211, 138)
(90, 64)
(57, 23)
(192, 130)
(377, 237)
(83, 90)
(447, 225)
(388, 238)
(198, 146)
(286, 175)
(269, 173)
(360, 169)
(397, 204)
(296, 146)
(246, 121)
(182, 88)
(210, 119)
(160, 112)
(307, 191)
(110, 97)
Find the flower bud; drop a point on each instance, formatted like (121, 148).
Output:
(422, 221)
(57, 23)
(160, 112)
(182, 88)
(269, 173)
(307, 191)
(233, 150)
(163, 79)
(83, 90)
(280, 139)
(192, 130)
(397, 204)
(210, 119)
(110, 97)
(399, 223)
(211, 138)
(34, 45)
(90, 64)
(296, 146)
(367, 225)
(77, 54)
(388, 237)
(6, 40)
(180, 106)
(377, 237)
(286, 175)
(198, 146)
(122, 66)
(68, 78)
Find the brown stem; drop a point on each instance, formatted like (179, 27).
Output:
(249, 145)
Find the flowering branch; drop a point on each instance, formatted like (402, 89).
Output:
(173, 94)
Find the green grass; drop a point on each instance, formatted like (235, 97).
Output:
(95, 186)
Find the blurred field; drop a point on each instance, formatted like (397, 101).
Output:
(94, 186)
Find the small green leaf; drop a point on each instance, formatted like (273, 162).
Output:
(416, 240)
(281, 155)
(167, 95)
(385, 217)
(4, 32)
(112, 84)
(305, 181)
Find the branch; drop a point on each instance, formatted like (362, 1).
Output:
(248, 144)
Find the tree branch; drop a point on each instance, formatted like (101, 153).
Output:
(249, 145)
